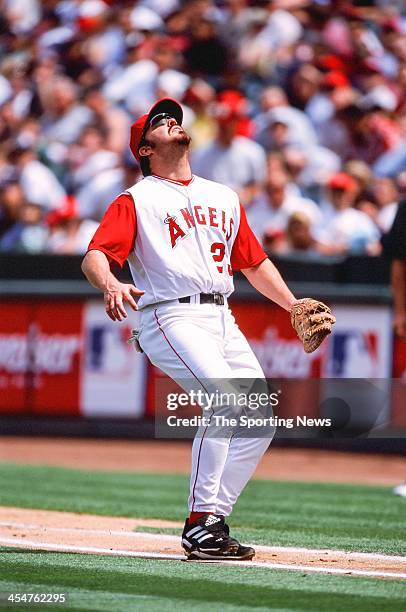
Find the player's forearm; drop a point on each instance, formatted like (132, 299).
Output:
(398, 282)
(267, 280)
(96, 268)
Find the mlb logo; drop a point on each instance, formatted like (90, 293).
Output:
(354, 354)
(113, 379)
(360, 345)
(107, 349)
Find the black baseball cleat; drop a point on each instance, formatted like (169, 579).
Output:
(208, 538)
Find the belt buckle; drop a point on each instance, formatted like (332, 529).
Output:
(219, 299)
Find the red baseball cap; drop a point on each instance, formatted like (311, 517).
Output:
(229, 104)
(68, 209)
(335, 79)
(140, 126)
(341, 180)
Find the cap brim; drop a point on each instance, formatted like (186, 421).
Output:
(166, 105)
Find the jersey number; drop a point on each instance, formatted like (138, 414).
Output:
(218, 250)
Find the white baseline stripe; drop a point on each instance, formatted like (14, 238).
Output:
(32, 544)
(175, 539)
(150, 555)
(321, 551)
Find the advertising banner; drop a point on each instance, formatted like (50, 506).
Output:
(15, 384)
(268, 329)
(113, 373)
(361, 343)
(55, 338)
(67, 358)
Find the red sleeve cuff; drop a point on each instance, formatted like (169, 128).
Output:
(113, 259)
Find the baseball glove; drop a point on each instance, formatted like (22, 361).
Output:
(312, 321)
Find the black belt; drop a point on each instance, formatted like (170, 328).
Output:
(205, 298)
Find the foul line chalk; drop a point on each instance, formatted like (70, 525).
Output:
(31, 544)
(175, 539)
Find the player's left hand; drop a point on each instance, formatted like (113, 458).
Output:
(312, 321)
(116, 295)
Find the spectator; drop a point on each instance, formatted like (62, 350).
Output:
(345, 229)
(40, 186)
(323, 88)
(231, 159)
(11, 200)
(64, 117)
(279, 123)
(362, 174)
(21, 228)
(298, 237)
(200, 97)
(206, 55)
(113, 120)
(269, 213)
(387, 198)
(97, 174)
(69, 233)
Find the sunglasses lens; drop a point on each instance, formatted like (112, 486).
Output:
(159, 119)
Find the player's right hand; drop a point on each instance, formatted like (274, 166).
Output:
(116, 295)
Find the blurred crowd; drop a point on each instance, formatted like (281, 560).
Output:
(298, 105)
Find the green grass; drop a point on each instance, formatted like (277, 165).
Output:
(122, 584)
(312, 515)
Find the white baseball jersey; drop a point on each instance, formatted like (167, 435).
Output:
(180, 237)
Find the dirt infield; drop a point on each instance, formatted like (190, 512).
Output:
(40, 529)
(158, 456)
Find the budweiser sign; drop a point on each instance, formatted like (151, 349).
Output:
(38, 352)
(281, 357)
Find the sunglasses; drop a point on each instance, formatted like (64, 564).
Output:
(159, 120)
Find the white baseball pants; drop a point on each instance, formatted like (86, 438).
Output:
(193, 343)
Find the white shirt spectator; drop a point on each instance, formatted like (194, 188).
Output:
(135, 85)
(282, 29)
(40, 185)
(106, 48)
(321, 164)
(264, 219)
(56, 36)
(96, 195)
(162, 7)
(95, 164)
(24, 15)
(239, 165)
(5, 90)
(300, 129)
(386, 216)
(319, 109)
(68, 128)
(348, 228)
(61, 242)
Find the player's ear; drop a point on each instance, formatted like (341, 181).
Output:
(145, 151)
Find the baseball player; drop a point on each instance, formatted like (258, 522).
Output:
(183, 237)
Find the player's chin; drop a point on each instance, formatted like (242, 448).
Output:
(182, 139)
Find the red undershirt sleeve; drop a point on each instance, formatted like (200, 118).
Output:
(247, 251)
(117, 231)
